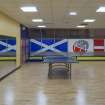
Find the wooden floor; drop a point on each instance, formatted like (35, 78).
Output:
(6, 67)
(31, 86)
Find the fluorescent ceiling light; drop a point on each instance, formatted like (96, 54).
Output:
(29, 9)
(101, 9)
(41, 26)
(73, 13)
(37, 20)
(89, 20)
(81, 26)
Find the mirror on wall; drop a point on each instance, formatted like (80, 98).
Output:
(7, 55)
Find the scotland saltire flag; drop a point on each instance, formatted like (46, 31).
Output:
(7, 46)
(48, 45)
(2, 45)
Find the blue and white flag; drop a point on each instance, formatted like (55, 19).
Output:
(45, 45)
(7, 46)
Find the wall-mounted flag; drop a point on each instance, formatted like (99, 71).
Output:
(8, 46)
(48, 45)
(98, 45)
(80, 45)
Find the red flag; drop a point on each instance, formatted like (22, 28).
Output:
(99, 45)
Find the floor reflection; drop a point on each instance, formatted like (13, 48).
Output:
(30, 86)
(9, 96)
(6, 67)
(81, 97)
(41, 98)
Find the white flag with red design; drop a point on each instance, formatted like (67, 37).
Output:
(80, 45)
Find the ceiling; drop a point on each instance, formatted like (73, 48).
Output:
(56, 12)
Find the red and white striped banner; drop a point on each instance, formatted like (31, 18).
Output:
(99, 45)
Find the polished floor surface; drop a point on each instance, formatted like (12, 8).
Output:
(6, 67)
(31, 86)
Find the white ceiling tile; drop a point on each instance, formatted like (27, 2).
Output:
(56, 12)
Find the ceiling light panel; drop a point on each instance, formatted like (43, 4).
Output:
(89, 20)
(81, 26)
(41, 26)
(29, 9)
(101, 9)
(73, 13)
(37, 20)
